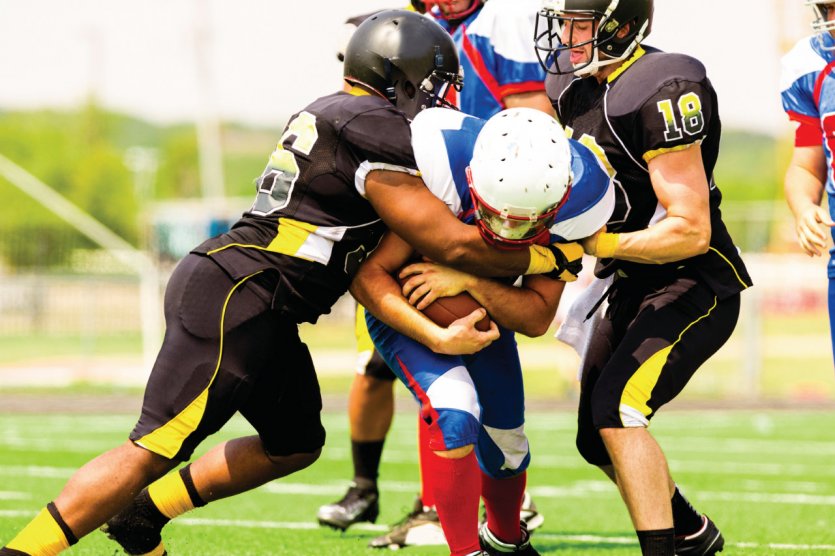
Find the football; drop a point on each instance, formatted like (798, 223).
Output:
(444, 310)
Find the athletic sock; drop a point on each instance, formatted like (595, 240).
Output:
(457, 486)
(657, 542)
(366, 457)
(175, 494)
(503, 500)
(427, 458)
(46, 535)
(686, 520)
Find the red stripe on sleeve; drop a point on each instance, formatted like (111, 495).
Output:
(480, 68)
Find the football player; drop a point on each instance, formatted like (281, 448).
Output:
(233, 304)
(519, 179)
(676, 276)
(808, 93)
(493, 42)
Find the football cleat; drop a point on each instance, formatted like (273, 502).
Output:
(358, 504)
(529, 515)
(494, 547)
(707, 541)
(419, 528)
(138, 527)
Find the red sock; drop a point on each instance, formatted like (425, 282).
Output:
(427, 457)
(457, 486)
(503, 500)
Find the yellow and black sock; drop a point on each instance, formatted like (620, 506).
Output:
(46, 535)
(175, 494)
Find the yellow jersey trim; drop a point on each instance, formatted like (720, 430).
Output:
(632, 59)
(649, 155)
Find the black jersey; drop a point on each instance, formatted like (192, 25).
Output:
(654, 103)
(310, 223)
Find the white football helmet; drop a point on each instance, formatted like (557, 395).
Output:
(821, 10)
(520, 176)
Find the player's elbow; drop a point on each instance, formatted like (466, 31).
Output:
(700, 240)
(453, 254)
(536, 325)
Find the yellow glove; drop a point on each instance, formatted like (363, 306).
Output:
(562, 261)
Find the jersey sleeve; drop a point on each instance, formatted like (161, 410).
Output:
(499, 40)
(442, 140)
(799, 70)
(591, 200)
(381, 140)
(676, 117)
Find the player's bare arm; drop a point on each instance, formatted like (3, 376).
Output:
(680, 183)
(804, 187)
(375, 288)
(528, 310)
(424, 221)
(537, 100)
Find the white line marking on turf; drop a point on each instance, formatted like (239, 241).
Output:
(12, 495)
(307, 525)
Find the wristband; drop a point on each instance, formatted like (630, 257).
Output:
(606, 245)
(542, 260)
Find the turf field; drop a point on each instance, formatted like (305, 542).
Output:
(766, 477)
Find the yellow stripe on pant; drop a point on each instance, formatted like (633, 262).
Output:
(168, 439)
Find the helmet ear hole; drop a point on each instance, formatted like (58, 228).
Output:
(410, 89)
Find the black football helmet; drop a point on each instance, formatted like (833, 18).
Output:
(405, 57)
(609, 17)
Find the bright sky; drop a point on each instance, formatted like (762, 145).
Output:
(261, 60)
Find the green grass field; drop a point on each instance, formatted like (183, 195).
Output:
(766, 477)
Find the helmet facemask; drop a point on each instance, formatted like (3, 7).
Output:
(553, 23)
(821, 23)
(432, 91)
(511, 227)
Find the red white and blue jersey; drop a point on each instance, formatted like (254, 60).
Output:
(807, 88)
(443, 142)
(497, 56)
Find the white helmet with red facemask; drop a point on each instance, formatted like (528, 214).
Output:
(520, 176)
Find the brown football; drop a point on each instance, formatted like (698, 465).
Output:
(444, 310)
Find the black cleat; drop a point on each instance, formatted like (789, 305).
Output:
(491, 545)
(707, 541)
(138, 527)
(358, 504)
(420, 527)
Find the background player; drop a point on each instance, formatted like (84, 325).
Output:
(233, 304)
(676, 275)
(493, 41)
(808, 93)
(522, 170)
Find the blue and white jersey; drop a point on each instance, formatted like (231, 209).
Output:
(807, 86)
(807, 89)
(443, 142)
(497, 56)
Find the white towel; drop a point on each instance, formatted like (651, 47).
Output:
(576, 330)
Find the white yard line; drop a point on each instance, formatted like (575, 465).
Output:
(580, 539)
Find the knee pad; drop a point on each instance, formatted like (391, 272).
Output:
(503, 452)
